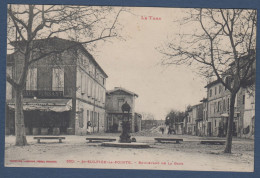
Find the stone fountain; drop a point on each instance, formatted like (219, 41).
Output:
(125, 137)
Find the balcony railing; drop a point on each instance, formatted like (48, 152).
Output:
(42, 94)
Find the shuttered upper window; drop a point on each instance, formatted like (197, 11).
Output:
(57, 79)
(31, 80)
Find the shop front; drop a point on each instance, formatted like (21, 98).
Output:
(41, 116)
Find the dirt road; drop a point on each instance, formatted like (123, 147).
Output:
(76, 152)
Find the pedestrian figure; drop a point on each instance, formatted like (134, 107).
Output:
(162, 130)
(169, 130)
(220, 132)
(88, 127)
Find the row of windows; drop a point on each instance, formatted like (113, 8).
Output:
(88, 85)
(90, 68)
(189, 119)
(219, 89)
(91, 88)
(216, 89)
(222, 106)
(57, 79)
(219, 106)
(204, 114)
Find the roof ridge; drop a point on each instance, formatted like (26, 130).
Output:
(121, 88)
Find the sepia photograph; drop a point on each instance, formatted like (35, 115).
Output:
(140, 88)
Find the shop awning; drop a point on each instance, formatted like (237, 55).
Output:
(56, 105)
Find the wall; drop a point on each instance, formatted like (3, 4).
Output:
(90, 96)
(249, 115)
(45, 70)
(74, 64)
(112, 104)
(85, 112)
(190, 123)
(218, 104)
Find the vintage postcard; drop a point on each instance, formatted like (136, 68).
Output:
(130, 88)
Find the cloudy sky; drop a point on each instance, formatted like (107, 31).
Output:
(134, 63)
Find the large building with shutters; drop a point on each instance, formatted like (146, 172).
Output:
(64, 92)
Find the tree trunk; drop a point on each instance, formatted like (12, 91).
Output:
(230, 124)
(19, 120)
(71, 129)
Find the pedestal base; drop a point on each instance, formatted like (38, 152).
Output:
(70, 131)
(125, 145)
(125, 138)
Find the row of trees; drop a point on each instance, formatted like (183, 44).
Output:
(174, 117)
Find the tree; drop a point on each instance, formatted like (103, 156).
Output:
(219, 43)
(28, 23)
(174, 117)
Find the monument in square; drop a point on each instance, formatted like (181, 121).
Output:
(125, 136)
(127, 118)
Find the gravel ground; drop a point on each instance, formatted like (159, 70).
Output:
(75, 151)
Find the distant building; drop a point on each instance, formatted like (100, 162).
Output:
(218, 111)
(245, 107)
(203, 131)
(210, 118)
(191, 124)
(247, 102)
(114, 101)
(185, 121)
(188, 122)
(194, 118)
(64, 92)
(198, 113)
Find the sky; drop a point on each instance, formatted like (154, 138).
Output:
(135, 63)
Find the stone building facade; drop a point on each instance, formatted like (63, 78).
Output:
(64, 93)
(218, 98)
(114, 100)
(193, 118)
(218, 102)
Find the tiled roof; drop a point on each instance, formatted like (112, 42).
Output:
(212, 83)
(60, 44)
(121, 89)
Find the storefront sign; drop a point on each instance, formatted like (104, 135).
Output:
(42, 94)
